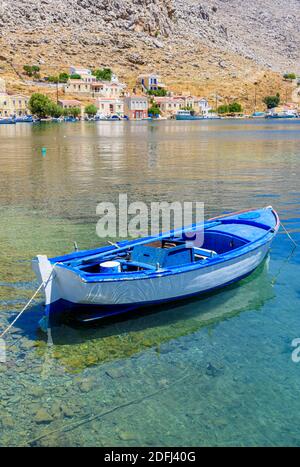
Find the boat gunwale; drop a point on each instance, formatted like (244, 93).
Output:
(215, 260)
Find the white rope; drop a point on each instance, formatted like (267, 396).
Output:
(22, 311)
(290, 237)
(43, 284)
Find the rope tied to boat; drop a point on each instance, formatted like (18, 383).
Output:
(43, 284)
(289, 235)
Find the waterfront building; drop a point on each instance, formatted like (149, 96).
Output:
(136, 107)
(170, 105)
(12, 104)
(110, 106)
(69, 103)
(202, 106)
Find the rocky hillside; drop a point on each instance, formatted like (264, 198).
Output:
(192, 43)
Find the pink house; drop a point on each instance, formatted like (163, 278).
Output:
(136, 107)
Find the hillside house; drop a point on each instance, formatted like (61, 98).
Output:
(150, 82)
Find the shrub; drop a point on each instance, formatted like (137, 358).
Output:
(63, 77)
(272, 101)
(75, 76)
(160, 92)
(235, 107)
(223, 109)
(32, 71)
(290, 76)
(104, 74)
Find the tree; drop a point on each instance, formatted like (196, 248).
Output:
(235, 107)
(104, 74)
(74, 112)
(154, 109)
(272, 101)
(75, 76)
(28, 70)
(54, 110)
(63, 77)
(160, 92)
(91, 110)
(53, 79)
(39, 105)
(223, 109)
(32, 71)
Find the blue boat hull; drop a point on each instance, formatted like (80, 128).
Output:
(7, 121)
(234, 245)
(188, 117)
(61, 310)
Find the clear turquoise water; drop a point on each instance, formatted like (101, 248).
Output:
(209, 372)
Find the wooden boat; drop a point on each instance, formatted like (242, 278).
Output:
(131, 274)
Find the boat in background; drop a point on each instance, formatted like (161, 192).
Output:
(24, 119)
(7, 121)
(282, 115)
(259, 115)
(187, 115)
(144, 272)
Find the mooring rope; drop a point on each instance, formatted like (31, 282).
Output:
(22, 311)
(289, 235)
(43, 284)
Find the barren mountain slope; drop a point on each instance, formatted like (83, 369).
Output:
(196, 45)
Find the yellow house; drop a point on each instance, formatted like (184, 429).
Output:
(11, 105)
(94, 88)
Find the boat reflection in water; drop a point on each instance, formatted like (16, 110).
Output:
(78, 346)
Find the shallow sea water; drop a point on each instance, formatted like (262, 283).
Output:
(213, 371)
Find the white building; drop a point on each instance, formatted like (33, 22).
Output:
(74, 70)
(110, 106)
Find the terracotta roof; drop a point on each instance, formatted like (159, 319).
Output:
(69, 102)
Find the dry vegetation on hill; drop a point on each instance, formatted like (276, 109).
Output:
(216, 46)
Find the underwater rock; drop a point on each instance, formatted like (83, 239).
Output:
(212, 371)
(54, 440)
(36, 391)
(163, 383)
(56, 410)
(85, 385)
(115, 373)
(6, 422)
(28, 345)
(68, 411)
(127, 436)
(42, 416)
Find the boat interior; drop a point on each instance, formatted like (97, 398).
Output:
(161, 254)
